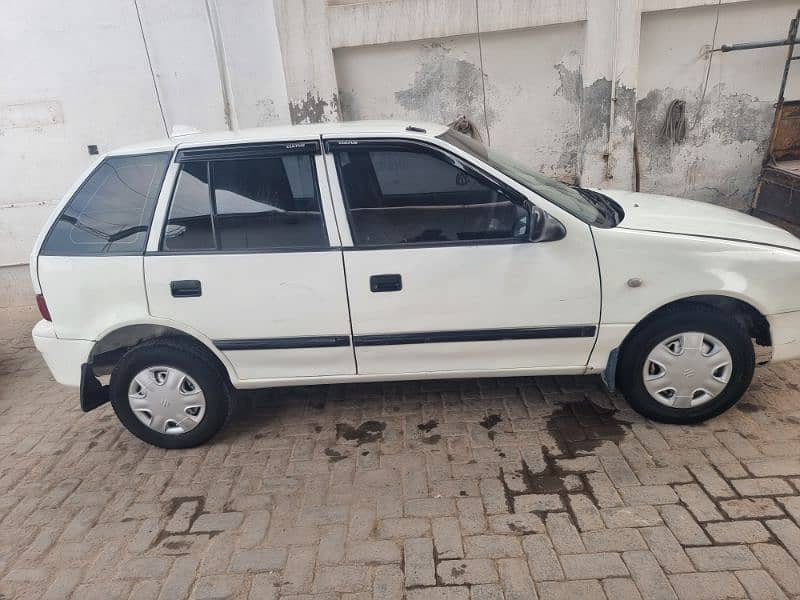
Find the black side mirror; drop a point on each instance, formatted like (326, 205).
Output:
(545, 228)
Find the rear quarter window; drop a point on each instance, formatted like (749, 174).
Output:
(112, 210)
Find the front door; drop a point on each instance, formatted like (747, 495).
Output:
(249, 257)
(442, 275)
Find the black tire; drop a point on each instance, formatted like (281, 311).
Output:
(690, 317)
(193, 360)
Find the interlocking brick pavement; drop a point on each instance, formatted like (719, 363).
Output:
(485, 489)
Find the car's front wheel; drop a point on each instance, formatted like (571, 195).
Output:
(686, 365)
(170, 393)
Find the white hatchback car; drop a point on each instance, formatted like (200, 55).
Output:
(374, 251)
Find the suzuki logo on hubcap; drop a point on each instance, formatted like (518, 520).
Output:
(688, 373)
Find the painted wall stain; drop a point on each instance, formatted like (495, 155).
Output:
(571, 83)
(444, 87)
(720, 158)
(313, 109)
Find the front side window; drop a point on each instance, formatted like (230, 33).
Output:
(408, 194)
(111, 212)
(257, 203)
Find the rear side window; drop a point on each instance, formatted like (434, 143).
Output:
(111, 212)
(259, 203)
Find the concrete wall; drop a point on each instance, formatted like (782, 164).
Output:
(570, 86)
(80, 75)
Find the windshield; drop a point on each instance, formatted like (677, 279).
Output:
(586, 205)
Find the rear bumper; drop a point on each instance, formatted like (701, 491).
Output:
(785, 331)
(63, 357)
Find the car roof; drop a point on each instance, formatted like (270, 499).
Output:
(282, 133)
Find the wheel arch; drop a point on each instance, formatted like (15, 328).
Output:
(744, 312)
(112, 344)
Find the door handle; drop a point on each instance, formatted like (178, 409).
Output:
(186, 288)
(386, 283)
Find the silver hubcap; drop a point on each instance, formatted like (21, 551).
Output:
(167, 400)
(687, 369)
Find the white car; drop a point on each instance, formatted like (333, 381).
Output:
(373, 251)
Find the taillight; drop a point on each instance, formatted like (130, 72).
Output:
(43, 310)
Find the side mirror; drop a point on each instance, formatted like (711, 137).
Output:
(545, 228)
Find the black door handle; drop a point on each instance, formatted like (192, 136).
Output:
(386, 283)
(186, 288)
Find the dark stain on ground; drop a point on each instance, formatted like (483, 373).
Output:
(462, 493)
(368, 431)
(432, 439)
(172, 507)
(177, 545)
(334, 455)
(458, 571)
(317, 404)
(318, 428)
(428, 426)
(576, 430)
(491, 421)
(492, 435)
(748, 407)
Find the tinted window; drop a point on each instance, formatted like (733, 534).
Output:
(406, 196)
(112, 210)
(189, 223)
(254, 204)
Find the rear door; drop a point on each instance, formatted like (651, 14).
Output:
(249, 256)
(442, 275)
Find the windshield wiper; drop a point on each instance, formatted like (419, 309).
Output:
(602, 202)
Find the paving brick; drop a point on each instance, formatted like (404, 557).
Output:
(214, 587)
(767, 486)
(299, 572)
(388, 583)
(144, 568)
(489, 591)
(738, 532)
(593, 566)
(447, 538)
(707, 586)
(587, 516)
(751, 508)
(565, 536)
(418, 564)
(492, 546)
(535, 503)
(568, 590)
(344, 578)
(614, 540)
(494, 496)
(683, 526)
(466, 571)
(648, 494)
(631, 516)
(471, 515)
(603, 490)
(774, 467)
(263, 559)
(439, 593)
(619, 588)
(430, 507)
(648, 575)
(373, 552)
(667, 550)
(217, 522)
(722, 558)
(760, 586)
(542, 559)
(711, 481)
(180, 579)
(516, 524)
(403, 527)
(698, 502)
(788, 534)
(516, 580)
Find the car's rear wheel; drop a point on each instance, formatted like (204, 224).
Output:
(170, 393)
(686, 365)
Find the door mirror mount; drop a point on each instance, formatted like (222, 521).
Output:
(545, 228)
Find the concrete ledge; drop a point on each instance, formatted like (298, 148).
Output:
(15, 287)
